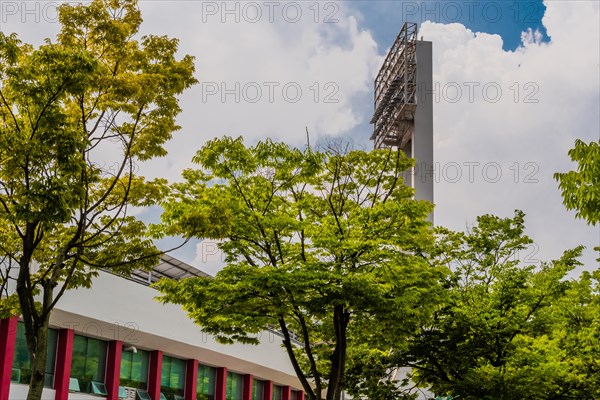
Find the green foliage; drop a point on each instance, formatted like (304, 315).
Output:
(509, 330)
(320, 244)
(581, 188)
(373, 373)
(76, 114)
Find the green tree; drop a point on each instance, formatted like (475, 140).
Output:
(581, 188)
(509, 330)
(76, 114)
(319, 245)
(373, 369)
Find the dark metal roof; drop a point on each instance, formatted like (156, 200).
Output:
(168, 267)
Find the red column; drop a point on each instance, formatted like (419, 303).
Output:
(155, 374)
(191, 380)
(267, 390)
(221, 389)
(299, 395)
(113, 369)
(8, 340)
(286, 392)
(247, 392)
(62, 372)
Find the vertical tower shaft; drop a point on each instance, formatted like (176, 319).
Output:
(403, 106)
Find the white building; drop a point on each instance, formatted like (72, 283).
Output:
(114, 341)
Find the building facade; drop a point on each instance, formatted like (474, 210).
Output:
(115, 341)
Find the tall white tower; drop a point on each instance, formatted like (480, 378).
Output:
(403, 116)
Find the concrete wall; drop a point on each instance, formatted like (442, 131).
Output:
(422, 143)
(119, 309)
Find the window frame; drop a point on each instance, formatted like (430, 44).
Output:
(100, 371)
(49, 368)
(200, 395)
(168, 390)
(232, 384)
(141, 384)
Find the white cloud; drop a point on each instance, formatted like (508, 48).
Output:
(209, 258)
(258, 56)
(527, 141)
(264, 79)
(549, 97)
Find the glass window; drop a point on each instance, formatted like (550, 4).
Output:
(258, 389)
(173, 377)
(277, 392)
(89, 362)
(134, 369)
(205, 384)
(21, 369)
(235, 385)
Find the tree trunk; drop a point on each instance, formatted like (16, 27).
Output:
(38, 362)
(36, 326)
(338, 358)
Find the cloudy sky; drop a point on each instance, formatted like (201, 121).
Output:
(515, 84)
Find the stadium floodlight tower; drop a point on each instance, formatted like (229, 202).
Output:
(403, 116)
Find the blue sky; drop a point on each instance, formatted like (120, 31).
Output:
(505, 18)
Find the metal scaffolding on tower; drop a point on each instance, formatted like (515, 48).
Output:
(396, 92)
